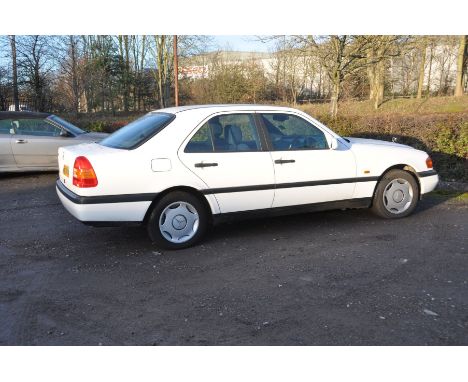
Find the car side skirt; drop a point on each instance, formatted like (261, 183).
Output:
(293, 210)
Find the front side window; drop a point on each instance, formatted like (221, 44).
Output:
(138, 132)
(35, 127)
(290, 132)
(226, 133)
(5, 126)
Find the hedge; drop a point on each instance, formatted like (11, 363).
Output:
(443, 135)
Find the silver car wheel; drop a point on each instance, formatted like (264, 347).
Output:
(179, 222)
(397, 196)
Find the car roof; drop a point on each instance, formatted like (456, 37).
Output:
(222, 107)
(22, 114)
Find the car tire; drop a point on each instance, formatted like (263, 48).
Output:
(178, 220)
(396, 195)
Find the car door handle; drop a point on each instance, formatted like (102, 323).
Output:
(282, 161)
(202, 164)
(21, 141)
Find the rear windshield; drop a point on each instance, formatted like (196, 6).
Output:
(138, 132)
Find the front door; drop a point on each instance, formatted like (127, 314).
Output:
(226, 153)
(36, 142)
(7, 161)
(307, 170)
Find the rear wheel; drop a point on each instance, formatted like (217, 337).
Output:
(396, 195)
(177, 221)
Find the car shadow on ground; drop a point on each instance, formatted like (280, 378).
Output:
(14, 175)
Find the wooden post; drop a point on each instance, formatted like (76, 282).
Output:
(176, 73)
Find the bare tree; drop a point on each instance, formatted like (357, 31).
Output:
(35, 62)
(379, 50)
(462, 60)
(341, 56)
(71, 63)
(429, 72)
(422, 65)
(15, 72)
(163, 55)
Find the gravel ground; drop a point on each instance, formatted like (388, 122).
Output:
(331, 278)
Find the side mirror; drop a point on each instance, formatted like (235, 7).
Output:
(334, 143)
(12, 131)
(64, 133)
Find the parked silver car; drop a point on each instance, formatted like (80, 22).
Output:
(30, 141)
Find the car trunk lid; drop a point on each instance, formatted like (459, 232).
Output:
(94, 152)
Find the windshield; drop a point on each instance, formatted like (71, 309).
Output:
(67, 125)
(138, 132)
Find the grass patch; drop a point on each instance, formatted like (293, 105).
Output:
(458, 196)
(393, 106)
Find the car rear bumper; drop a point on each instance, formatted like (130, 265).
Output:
(428, 180)
(92, 210)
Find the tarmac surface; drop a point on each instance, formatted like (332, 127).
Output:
(330, 278)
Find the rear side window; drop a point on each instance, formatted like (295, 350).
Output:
(226, 133)
(201, 142)
(138, 132)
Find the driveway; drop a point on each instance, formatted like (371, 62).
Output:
(331, 278)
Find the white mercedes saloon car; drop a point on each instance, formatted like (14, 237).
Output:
(177, 170)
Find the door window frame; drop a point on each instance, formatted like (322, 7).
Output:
(45, 120)
(260, 133)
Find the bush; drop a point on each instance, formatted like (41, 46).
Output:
(443, 136)
(101, 123)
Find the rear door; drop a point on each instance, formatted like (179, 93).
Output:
(7, 161)
(228, 155)
(307, 170)
(36, 143)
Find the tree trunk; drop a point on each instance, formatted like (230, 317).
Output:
(428, 86)
(15, 72)
(461, 61)
(160, 44)
(379, 84)
(371, 73)
(335, 95)
(74, 73)
(421, 68)
(127, 74)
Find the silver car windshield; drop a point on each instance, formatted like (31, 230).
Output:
(67, 125)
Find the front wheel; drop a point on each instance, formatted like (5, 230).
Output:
(177, 221)
(396, 195)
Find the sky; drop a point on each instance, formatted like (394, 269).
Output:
(245, 43)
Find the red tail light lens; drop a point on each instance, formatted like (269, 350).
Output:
(429, 162)
(83, 173)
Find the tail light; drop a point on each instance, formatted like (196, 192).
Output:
(429, 162)
(83, 173)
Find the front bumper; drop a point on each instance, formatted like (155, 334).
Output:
(94, 210)
(428, 180)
